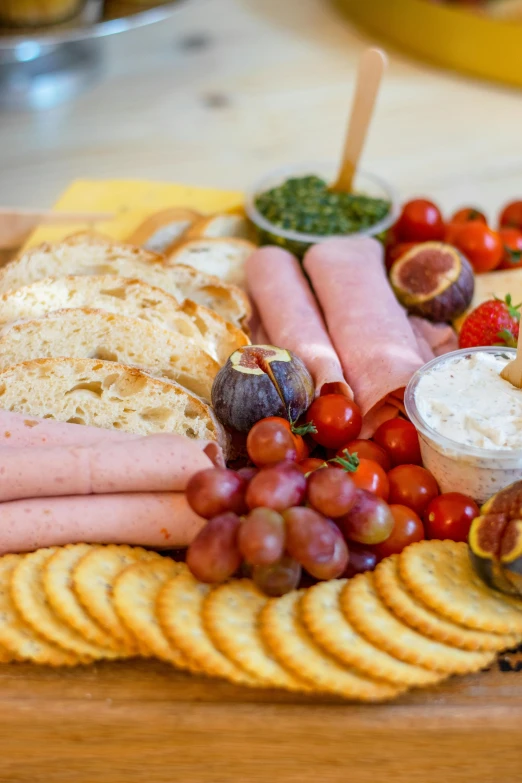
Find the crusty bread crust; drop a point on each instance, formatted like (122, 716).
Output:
(224, 258)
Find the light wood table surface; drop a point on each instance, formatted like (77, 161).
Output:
(228, 88)
(220, 93)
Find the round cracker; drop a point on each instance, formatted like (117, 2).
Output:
(410, 610)
(58, 586)
(324, 619)
(372, 618)
(179, 609)
(93, 579)
(30, 600)
(17, 636)
(293, 646)
(231, 617)
(440, 574)
(135, 594)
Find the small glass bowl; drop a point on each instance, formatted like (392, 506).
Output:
(473, 470)
(365, 184)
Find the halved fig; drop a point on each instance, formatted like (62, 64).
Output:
(259, 381)
(433, 280)
(495, 541)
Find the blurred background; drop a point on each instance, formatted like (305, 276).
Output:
(214, 92)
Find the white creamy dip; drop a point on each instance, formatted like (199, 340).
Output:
(466, 400)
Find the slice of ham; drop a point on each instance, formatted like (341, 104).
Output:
(157, 463)
(433, 339)
(370, 330)
(158, 520)
(17, 430)
(291, 317)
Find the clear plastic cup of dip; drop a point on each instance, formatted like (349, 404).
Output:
(473, 470)
(365, 184)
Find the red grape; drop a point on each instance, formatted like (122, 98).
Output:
(247, 473)
(214, 554)
(331, 492)
(279, 578)
(370, 521)
(262, 537)
(269, 442)
(336, 564)
(361, 559)
(215, 491)
(278, 487)
(309, 536)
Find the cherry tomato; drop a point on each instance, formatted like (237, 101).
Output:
(466, 214)
(407, 528)
(336, 418)
(512, 242)
(371, 477)
(511, 215)
(310, 464)
(412, 486)
(394, 252)
(367, 449)
(399, 439)
(420, 221)
(480, 244)
(450, 516)
(301, 447)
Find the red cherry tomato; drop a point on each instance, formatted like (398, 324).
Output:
(367, 449)
(412, 486)
(480, 244)
(399, 439)
(450, 516)
(337, 420)
(371, 477)
(407, 528)
(512, 243)
(511, 215)
(420, 221)
(310, 464)
(466, 214)
(301, 447)
(394, 252)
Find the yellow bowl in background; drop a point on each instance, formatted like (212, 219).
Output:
(449, 36)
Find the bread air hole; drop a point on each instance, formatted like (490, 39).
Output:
(2, 389)
(94, 387)
(103, 353)
(118, 293)
(76, 420)
(191, 411)
(98, 269)
(184, 328)
(159, 415)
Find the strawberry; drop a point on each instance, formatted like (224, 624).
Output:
(495, 322)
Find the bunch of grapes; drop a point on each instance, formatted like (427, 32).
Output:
(277, 520)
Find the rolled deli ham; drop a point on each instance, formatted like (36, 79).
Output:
(369, 329)
(158, 520)
(291, 317)
(156, 463)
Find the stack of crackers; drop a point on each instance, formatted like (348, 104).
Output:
(421, 617)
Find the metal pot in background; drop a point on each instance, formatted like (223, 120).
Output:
(46, 65)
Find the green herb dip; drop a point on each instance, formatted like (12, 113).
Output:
(305, 205)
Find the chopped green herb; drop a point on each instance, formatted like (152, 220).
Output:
(305, 205)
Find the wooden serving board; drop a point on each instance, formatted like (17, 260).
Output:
(143, 721)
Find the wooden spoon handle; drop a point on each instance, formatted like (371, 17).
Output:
(371, 68)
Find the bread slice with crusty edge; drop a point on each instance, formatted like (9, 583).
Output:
(164, 228)
(107, 395)
(93, 254)
(124, 296)
(83, 333)
(224, 258)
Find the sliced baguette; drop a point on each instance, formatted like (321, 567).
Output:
(91, 254)
(125, 297)
(220, 225)
(106, 395)
(162, 229)
(95, 334)
(224, 258)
